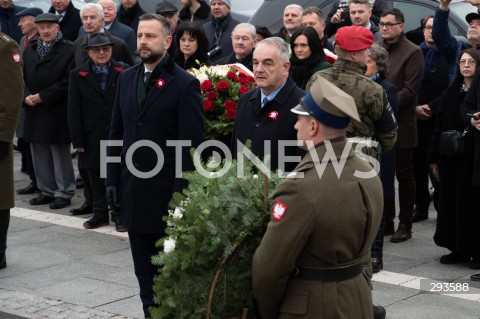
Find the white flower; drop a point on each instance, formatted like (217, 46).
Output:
(202, 77)
(255, 176)
(169, 245)
(178, 213)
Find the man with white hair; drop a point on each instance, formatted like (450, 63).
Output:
(292, 20)
(243, 42)
(114, 26)
(93, 22)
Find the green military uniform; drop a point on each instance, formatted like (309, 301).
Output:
(377, 118)
(328, 222)
(11, 96)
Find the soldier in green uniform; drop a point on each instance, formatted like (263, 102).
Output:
(377, 121)
(324, 220)
(11, 96)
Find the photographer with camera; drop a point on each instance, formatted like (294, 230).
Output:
(356, 12)
(219, 30)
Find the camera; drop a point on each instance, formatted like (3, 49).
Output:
(215, 50)
(345, 14)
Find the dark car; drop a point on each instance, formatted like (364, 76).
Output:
(271, 11)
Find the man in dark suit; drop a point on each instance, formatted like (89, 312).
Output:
(91, 95)
(115, 27)
(69, 18)
(93, 22)
(9, 19)
(129, 12)
(264, 114)
(243, 43)
(47, 65)
(156, 102)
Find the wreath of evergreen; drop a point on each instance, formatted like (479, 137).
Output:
(213, 230)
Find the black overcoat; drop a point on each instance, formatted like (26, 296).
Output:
(46, 123)
(273, 122)
(90, 111)
(173, 110)
(70, 23)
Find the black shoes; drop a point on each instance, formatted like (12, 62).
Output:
(3, 261)
(403, 233)
(41, 200)
(475, 277)
(119, 227)
(83, 210)
(95, 222)
(418, 216)
(30, 189)
(377, 265)
(454, 258)
(60, 202)
(379, 312)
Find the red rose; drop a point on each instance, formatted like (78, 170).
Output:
(232, 76)
(222, 85)
(230, 105)
(230, 114)
(243, 80)
(244, 89)
(206, 85)
(250, 79)
(208, 105)
(212, 95)
(242, 75)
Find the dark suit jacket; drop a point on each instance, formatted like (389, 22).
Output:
(121, 31)
(70, 23)
(90, 111)
(228, 25)
(120, 50)
(231, 59)
(273, 122)
(173, 110)
(9, 22)
(46, 123)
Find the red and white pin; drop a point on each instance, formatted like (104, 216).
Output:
(273, 115)
(160, 83)
(16, 57)
(279, 210)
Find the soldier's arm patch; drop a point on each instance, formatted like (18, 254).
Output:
(279, 210)
(16, 57)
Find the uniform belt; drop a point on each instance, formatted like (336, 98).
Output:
(328, 274)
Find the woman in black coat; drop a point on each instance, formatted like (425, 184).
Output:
(377, 69)
(458, 218)
(192, 46)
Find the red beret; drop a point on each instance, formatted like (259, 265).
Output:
(354, 38)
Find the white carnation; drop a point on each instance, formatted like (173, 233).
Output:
(169, 245)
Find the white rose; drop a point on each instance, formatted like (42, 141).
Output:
(255, 176)
(178, 213)
(169, 245)
(202, 77)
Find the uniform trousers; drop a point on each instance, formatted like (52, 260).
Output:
(4, 223)
(406, 186)
(54, 170)
(143, 248)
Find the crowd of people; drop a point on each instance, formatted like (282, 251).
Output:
(107, 72)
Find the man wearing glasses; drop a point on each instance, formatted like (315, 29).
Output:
(406, 73)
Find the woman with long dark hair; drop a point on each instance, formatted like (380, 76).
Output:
(192, 46)
(458, 215)
(307, 56)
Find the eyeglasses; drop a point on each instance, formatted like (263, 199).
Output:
(98, 49)
(467, 62)
(388, 25)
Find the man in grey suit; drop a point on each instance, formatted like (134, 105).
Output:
(114, 26)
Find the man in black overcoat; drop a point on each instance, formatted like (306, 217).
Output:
(91, 94)
(264, 113)
(69, 18)
(157, 102)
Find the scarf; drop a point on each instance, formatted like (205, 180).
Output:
(43, 49)
(300, 69)
(101, 74)
(430, 57)
(142, 87)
